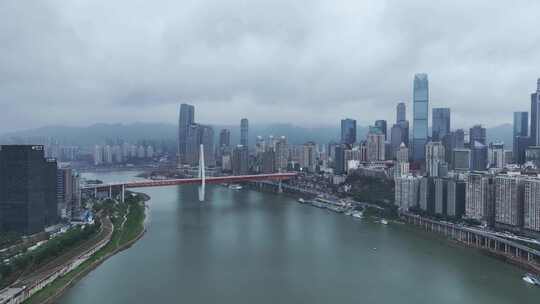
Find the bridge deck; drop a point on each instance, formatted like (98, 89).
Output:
(182, 181)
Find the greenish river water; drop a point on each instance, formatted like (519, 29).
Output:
(251, 247)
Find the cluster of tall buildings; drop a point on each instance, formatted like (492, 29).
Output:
(121, 153)
(34, 193)
(473, 179)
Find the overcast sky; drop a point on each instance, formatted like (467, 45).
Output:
(307, 62)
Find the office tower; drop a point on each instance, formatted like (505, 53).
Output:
(224, 138)
(382, 125)
(508, 201)
(407, 192)
(64, 191)
(455, 206)
(532, 155)
(479, 153)
(240, 160)
(198, 135)
(282, 154)
(399, 133)
(535, 116)
(185, 120)
(375, 145)
(401, 111)
(479, 204)
(244, 128)
(521, 130)
(348, 131)
(496, 155)
(309, 157)
(268, 161)
(420, 116)
(339, 161)
(434, 157)
(531, 205)
(28, 200)
(462, 159)
(402, 167)
(441, 123)
(477, 133)
(427, 194)
(441, 195)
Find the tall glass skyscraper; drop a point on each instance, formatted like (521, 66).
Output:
(244, 127)
(420, 116)
(441, 123)
(348, 131)
(520, 136)
(401, 112)
(535, 116)
(185, 120)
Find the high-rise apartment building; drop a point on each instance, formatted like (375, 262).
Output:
(531, 205)
(420, 116)
(479, 204)
(383, 126)
(375, 145)
(509, 201)
(434, 158)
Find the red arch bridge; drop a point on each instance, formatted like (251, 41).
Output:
(122, 186)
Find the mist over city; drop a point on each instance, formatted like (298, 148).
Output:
(269, 152)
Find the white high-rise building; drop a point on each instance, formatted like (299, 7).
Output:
(434, 157)
(479, 203)
(375, 145)
(531, 205)
(508, 200)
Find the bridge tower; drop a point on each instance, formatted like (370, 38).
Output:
(202, 174)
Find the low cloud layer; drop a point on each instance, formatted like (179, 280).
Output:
(306, 62)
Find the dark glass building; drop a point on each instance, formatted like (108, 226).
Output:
(441, 123)
(185, 119)
(382, 125)
(401, 111)
(244, 128)
(420, 116)
(477, 133)
(535, 116)
(521, 129)
(348, 131)
(28, 200)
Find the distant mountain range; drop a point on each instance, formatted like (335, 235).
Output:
(134, 132)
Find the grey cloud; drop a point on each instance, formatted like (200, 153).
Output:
(78, 62)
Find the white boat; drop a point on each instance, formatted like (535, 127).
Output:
(235, 187)
(357, 215)
(384, 222)
(531, 279)
(301, 201)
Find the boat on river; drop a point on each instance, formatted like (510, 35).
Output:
(532, 279)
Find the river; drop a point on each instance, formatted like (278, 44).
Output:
(251, 247)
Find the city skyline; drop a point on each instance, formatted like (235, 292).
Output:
(315, 67)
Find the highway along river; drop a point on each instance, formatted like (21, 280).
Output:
(250, 247)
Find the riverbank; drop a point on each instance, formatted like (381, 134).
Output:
(128, 228)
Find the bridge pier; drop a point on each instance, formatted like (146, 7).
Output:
(110, 192)
(123, 194)
(280, 188)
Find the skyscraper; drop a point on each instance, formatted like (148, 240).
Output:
(477, 133)
(198, 135)
(509, 201)
(479, 156)
(401, 111)
(224, 138)
(28, 200)
(434, 157)
(441, 123)
(244, 127)
(535, 115)
(531, 208)
(185, 120)
(521, 129)
(420, 115)
(375, 145)
(479, 202)
(382, 125)
(348, 131)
